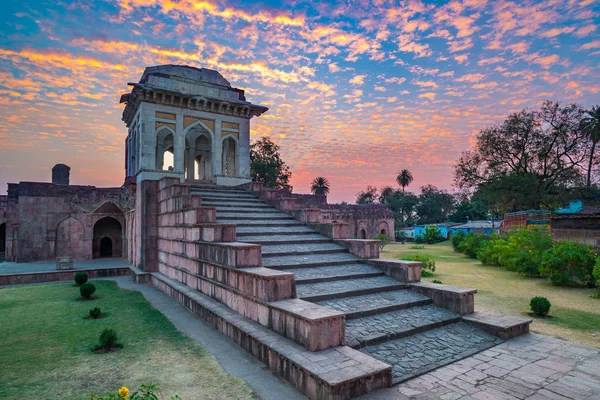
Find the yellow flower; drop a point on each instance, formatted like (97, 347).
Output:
(124, 392)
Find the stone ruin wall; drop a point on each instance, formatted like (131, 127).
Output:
(365, 221)
(46, 220)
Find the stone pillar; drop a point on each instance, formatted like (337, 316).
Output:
(179, 144)
(243, 154)
(146, 226)
(217, 149)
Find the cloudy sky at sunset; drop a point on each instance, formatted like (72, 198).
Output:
(357, 90)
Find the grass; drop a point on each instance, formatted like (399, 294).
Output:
(45, 350)
(575, 316)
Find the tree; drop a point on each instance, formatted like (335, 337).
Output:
(266, 165)
(386, 193)
(469, 210)
(537, 153)
(434, 206)
(404, 178)
(320, 186)
(401, 204)
(367, 196)
(591, 127)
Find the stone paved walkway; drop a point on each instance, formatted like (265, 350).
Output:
(45, 266)
(532, 367)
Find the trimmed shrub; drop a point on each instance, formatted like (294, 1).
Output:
(568, 264)
(95, 312)
(433, 234)
(540, 306)
(597, 272)
(419, 239)
(87, 290)
(456, 239)
(436, 281)
(524, 249)
(81, 278)
(108, 338)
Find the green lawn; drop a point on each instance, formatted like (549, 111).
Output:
(45, 347)
(575, 315)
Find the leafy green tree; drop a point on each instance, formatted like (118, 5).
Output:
(367, 196)
(469, 210)
(434, 205)
(401, 204)
(591, 127)
(404, 178)
(320, 186)
(534, 156)
(266, 165)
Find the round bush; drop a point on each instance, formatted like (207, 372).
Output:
(95, 312)
(87, 290)
(81, 278)
(108, 338)
(540, 306)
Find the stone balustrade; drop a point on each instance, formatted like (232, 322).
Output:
(400, 270)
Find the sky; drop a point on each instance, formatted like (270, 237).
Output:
(356, 90)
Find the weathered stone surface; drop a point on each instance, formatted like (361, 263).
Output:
(424, 352)
(309, 260)
(338, 289)
(370, 304)
(362, 248)
(56, 276)
(365, 331)
(503, 326)
(337, 272)
(403, 271)
(453, 298)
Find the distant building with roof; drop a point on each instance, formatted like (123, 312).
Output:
(478, 227)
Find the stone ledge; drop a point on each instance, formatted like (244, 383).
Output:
(403, 271)
(337, 373)
(139, 276)
(206, 232)
(503, 326)
(453, 298)
(58, 276)
(227, 254)
(363, 248)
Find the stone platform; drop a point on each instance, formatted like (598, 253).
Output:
(12, 273)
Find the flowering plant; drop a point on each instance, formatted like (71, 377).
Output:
(147, 391)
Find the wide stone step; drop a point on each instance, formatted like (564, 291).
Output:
(297, 249)
(291, 238)
(316, 292)
(224, 195)
(377, 303)
(215, 201)
(380, 328)
(260, 222)
(418, 354)
(246, 210)
(334, 273)
(238, 206)
(254, 216)
(256, 230)
(308, 260)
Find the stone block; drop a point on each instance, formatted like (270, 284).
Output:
(503, 326)
(453, 298)
(306, 215)
(334, 230)
(363, 248)
(311, 325)
(403, 271)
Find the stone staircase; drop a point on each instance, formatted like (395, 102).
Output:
(384, 318)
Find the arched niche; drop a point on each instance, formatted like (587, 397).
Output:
(107, 230)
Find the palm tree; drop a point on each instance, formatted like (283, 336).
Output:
(320, 186)
(591, 126)
(404, 178)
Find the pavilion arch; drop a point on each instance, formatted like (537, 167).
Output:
(198, 154)
(229, 156)
(383, 229)
(70, 239)
(165, 143)
(108, 238)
